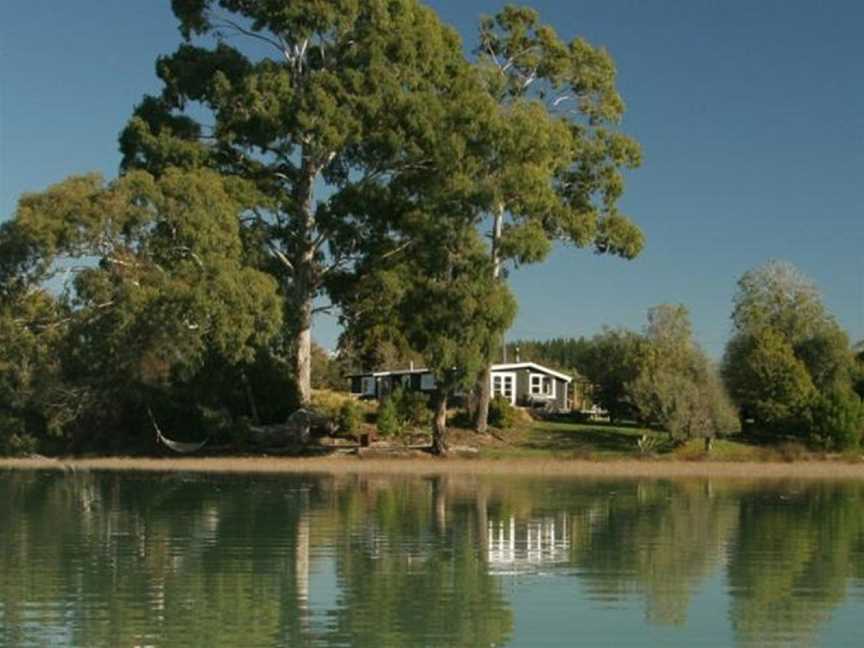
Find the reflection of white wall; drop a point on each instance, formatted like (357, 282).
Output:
(533, 542)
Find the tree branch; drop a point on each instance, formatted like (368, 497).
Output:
(396, 250)
(323, 309)
(279, 254)
(223, 22)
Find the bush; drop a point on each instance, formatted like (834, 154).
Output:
(349, 418)
(413, 408)
(14, 439)
(389, 424)
(502, 414)
(836, 420)
(401, 410)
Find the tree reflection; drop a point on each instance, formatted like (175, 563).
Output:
(413, 571)
(797, 550)
(660, 540)
(122, 559)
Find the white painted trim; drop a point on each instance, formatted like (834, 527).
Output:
(531, 365)
(508, 374)
(542, 393)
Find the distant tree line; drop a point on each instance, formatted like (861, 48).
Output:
(788, 369)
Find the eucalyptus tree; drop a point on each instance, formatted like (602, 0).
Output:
(452, 316)
(321, 105)
(28, 359)
(440, 302)
(153, 283)
(555, 169)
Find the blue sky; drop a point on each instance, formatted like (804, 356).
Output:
(750, 113)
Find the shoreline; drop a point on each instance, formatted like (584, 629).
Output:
(619, 469)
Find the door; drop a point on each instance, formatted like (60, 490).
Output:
(504, 384)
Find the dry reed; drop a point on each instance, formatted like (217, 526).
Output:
(835, 470)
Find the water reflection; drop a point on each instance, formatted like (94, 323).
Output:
(125, 559)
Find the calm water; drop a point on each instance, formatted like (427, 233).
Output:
(105, 559)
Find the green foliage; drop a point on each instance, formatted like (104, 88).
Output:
(610, 362)
(788, 358)
(564, 354)
(837, 420)
(324, 108)
(771, 383)
(558, 171)
(502, 414)
(686, 406)
(402, 410)
(327, 372)
(412, 406)
(452, 319)
(389, 423)
(350, 417)
(677, 387)
(14, 438)
(160, 307)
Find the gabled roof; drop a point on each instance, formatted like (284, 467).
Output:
(532, 365)
(395, 372)
(495, 367)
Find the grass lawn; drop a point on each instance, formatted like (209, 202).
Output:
(562, 439)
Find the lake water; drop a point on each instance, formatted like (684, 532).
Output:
(125, 559)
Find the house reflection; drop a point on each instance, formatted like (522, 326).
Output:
(523, 546)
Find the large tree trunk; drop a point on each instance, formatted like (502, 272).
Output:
(250, 398)
(439, 424)
(305, 283)
(483, 391)
(303, 354)
(483, 388)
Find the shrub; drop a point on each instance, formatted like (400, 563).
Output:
(14, 439)
(349, 418)
(502, 414)
(413, 408)
(836, 420)
(389, 423)
(401, 410)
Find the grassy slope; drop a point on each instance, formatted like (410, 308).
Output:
(567, 440)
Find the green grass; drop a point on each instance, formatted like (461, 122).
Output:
(563, 439)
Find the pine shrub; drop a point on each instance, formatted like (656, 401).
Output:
(502, 414)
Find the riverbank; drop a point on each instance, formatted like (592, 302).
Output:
(646, 468)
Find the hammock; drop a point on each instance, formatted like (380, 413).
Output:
(176, 446)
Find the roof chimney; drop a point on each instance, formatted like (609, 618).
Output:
(517, 354)
(411, 365)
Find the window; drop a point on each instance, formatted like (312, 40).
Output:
(542, 385)
(367, 385)
(427, 382)
(504, 385)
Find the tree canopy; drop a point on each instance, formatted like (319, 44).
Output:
(152, 286)
(555, 171)
(788, 363)
(322, 107)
